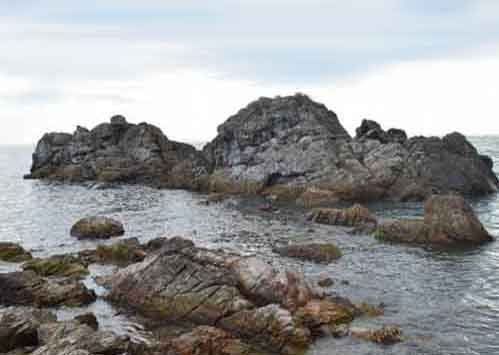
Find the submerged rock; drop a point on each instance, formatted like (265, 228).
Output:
(355, 216)
(321, 253)
(386, 335)
(242, 295)
(448, 220)
(97, 228)
(13, 253)
(28, 289)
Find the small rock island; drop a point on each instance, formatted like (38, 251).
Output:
(290, 147)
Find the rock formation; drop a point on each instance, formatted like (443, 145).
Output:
(291, 146)
(97, 228)
(243, 296)
(117, 152)
(448, 220)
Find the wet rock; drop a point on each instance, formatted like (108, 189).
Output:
(318, 314)
(321, 253)
(88, 319)
(451, 220)
(58, 266)
(13, 253)
(117, 152)
(28, 289)
(214, 198)
(448, 220)
(97, 228)
(315, 197)
(244, 296)
(75, 338)
(121, 253)
(355, 216)
(19, 327)
(368, 310)
(387, 335)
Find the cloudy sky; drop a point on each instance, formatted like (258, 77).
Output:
(429, 66)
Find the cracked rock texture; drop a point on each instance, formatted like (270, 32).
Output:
(243, 296)
(290, 142)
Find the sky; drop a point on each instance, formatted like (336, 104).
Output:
(428, 66)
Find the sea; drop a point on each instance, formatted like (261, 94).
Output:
(445, 302)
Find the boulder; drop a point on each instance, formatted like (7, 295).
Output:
(317, 252)
(319, 315)
(448, 220)
(97, 228)
(117, 152)
(13, 253)
(19, 327)
(243, 296)
(88, 319)
(28, 289)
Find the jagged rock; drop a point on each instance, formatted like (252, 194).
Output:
(320, 314)
(318, 252)
(290, 145)
(97, 228)
(13, 253)
(28, 289)
(117, 152)
(19, 327)
(245, 296)
(448, 220)
(58, 266)
(355, 216)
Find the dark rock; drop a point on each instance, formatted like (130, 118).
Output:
(321, 253)
(13, 253)
(19, 327)
(448, 220)
(88, 319)
(488, 161)
(97, 228)
(325, 281)
(396, 135)
(117, 152)
(28, 289)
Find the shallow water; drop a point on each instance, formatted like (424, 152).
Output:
(445, 302)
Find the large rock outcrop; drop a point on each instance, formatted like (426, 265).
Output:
(117, 152)
(241, 295)
(297, 143)
(285, 146)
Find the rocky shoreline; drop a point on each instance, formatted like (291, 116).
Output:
(287, 148)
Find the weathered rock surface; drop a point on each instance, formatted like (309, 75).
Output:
(242, 295)
(13, 253)
(289, 142)
(117, 152)
(297, 143)
(19, 327)
(386, 335)
(321, 253)
(28, 289)
(448, 220)
(97, 228)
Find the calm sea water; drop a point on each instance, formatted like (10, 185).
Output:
(445, 302)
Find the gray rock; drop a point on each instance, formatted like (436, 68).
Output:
(97, 228)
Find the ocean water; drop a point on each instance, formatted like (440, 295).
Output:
(444, 302)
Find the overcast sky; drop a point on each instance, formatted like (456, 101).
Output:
(428, 66)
